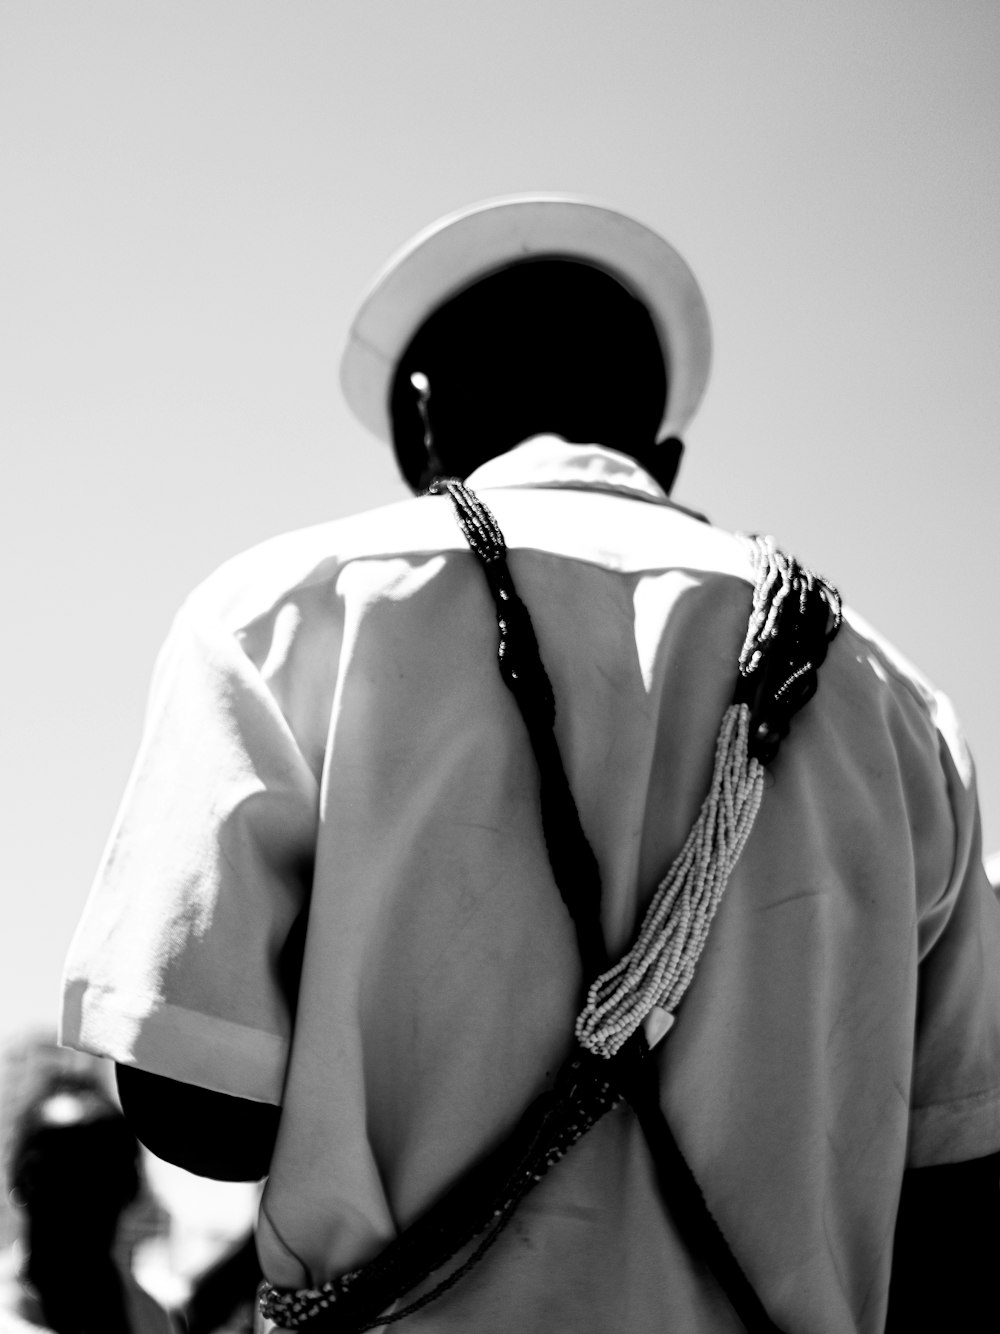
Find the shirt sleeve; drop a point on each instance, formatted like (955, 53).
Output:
(956, 1086)
(177, 964)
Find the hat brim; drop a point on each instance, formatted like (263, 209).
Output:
(459, 249)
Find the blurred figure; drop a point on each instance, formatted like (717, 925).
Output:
(992, 864)
(72, 1170)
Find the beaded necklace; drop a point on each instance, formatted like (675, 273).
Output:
(631, 1005)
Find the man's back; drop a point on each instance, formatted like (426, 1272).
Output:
(329, 715)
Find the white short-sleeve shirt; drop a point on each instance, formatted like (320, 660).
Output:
(329, 744)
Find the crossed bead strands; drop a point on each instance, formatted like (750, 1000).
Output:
(787, 639)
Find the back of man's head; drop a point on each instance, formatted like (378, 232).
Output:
(544, 345)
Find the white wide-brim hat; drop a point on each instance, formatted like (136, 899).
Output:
(462, 247)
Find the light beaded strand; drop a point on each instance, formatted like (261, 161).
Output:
(658, 969)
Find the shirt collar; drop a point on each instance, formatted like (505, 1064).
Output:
(550, 461)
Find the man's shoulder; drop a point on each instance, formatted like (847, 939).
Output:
(887, 660)
(310, 560)
(873, 669)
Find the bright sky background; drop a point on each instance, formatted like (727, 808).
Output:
(195, 193)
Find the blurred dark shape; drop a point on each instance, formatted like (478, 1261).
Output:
(72, 1170)
(28, 1062)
